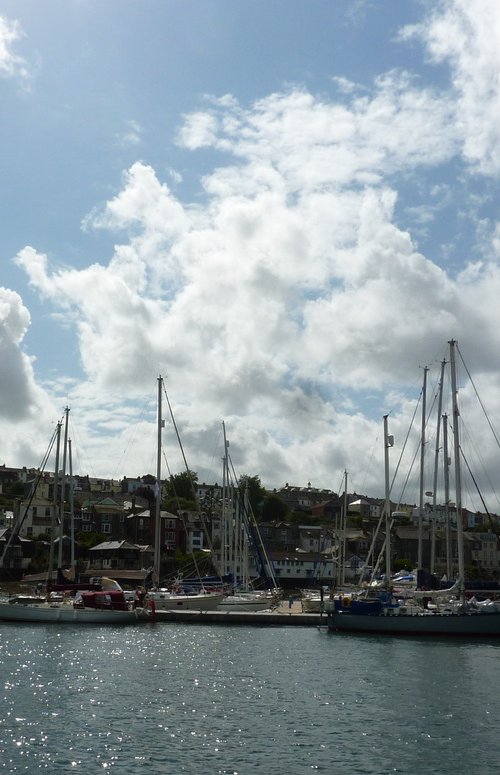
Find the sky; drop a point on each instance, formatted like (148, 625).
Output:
(285, 209)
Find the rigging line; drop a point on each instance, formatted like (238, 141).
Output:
(179, 441)
(188, 472)
(341, 483)
(403, 451)
(407, 476)
(479, 398)
(382, 513)
(20, 520)
(83, 460)
(130, 441)
(180, 513)
(253, 525)
(177, 499)
(216, 447)
(371, 458)
(465, 431)
(490, 518)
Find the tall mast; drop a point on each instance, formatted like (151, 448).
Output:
(246, 512)
(458, 475)
(422, 464)
(157, 546)
(436, 461)
(71, 506)
(446, 461)
(54, 504)
(342, 557)
(63, 488)
(388, 442)
(224, 512)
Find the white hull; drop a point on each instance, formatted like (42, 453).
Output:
(235, 603)
(66, 614)
(166, 601)
(471, 624)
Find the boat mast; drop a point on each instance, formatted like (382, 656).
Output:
(447, 496)
(343, 534)
(71, 506)
(157, 546)
(458, 478)
(245, 558)
(388, 442)
(225, 507)
(54, 504)
(422, 463)
(63, 490)
(436, 461)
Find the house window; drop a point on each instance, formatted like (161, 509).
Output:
(106, 528)
(87, 528)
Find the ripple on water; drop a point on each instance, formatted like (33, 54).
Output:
(202, 699)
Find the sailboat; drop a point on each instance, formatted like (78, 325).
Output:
(67, 601)
(381, 612)
(173, 598)
(240, 543)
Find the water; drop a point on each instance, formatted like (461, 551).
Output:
(215, 700)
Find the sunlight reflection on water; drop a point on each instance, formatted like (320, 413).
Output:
(169, 698)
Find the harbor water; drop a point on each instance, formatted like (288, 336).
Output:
(227, 700)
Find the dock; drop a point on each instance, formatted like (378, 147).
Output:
(283, 616)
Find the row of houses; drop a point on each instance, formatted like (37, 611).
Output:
(299, 552)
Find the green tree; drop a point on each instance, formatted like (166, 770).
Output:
(274, 508)
(87, 540)
(146, 493)
(14, 489)
(39, 561)
(182, 485)
(256, 492)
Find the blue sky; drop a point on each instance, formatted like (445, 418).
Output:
(286, 208)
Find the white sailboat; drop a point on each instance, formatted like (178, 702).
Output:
(105, 604)
(90, 607)
(250, 601)
(383, 613)
(160, 598)
(240, 541)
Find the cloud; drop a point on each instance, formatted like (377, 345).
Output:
(26, 410)
(11, 64)
(465, 36)
(131, 136)
(290, 291)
